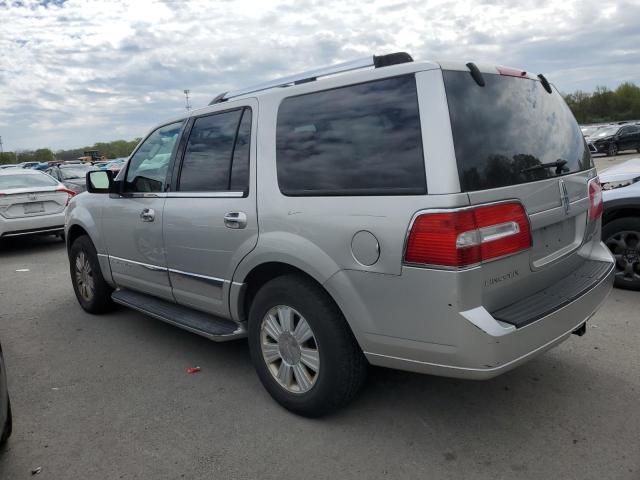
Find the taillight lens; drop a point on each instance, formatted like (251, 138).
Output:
(595, 199)
(70, 193)
(460, 238)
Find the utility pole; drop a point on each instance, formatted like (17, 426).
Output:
(186, 94)
(1, 150)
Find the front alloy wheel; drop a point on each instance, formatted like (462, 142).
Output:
(91, 289)
(290, 349)
(613, 149)
(84, 277)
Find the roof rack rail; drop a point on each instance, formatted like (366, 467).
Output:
(376, 61)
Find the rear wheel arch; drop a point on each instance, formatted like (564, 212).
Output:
(263, 273)
(617, 212)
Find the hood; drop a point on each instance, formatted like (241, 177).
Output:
(596, 138)
(623, 172)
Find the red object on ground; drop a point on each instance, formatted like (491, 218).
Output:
(193, 369)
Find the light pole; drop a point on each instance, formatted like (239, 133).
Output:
(186, 94)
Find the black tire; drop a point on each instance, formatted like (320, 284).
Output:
(8, 427)
(342, 364)
(622, 236)
(99, 298)
(612, 150)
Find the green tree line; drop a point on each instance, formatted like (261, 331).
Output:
(604, 105)
(115, 149)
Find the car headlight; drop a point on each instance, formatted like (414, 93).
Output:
(619, 184)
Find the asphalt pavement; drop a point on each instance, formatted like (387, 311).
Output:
(108, 397)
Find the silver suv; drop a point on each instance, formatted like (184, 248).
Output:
(442, 218)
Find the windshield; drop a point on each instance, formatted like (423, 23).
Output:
(504, 132)
(606, 132)
(75, 172)
(26, 181)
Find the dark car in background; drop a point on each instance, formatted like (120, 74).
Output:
(72, 176)
(5, 406)
(615, 138)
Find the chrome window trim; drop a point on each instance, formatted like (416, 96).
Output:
(223, 194)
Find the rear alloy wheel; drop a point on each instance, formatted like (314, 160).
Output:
(92, 291)
(289, 349)
(302, 348)
(612, 151)
(622, 236)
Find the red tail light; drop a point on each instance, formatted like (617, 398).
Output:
(595, 199)
(511, 72)
(71, 193)
(460, 238)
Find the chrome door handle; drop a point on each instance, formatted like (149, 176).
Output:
(235, 220)
(148, 215)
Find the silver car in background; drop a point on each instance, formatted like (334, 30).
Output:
(31, 202)
(441, 218)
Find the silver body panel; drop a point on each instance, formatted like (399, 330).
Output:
(420, 319)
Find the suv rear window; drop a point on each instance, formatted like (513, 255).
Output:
(361, 139)
(508, 126)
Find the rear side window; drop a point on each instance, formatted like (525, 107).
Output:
(8, 182)
(504, 132)
(362, 139)
(217, 153)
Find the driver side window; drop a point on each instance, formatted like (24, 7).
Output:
(148, 167)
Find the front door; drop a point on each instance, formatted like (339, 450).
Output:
(132, 221)
(210, 217)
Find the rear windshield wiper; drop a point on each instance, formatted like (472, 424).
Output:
(559, 164)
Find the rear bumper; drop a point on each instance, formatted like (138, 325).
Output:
(466, 344)
(32, 225)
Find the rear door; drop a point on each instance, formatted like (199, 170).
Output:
(132, 220)
(210, 217)
(515, 141)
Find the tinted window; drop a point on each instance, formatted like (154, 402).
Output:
(358, 140)
(207, 160)
(148, 166)
(240, 166)
(503, 129)
(26, 181)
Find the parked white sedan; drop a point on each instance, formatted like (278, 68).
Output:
(31, 202)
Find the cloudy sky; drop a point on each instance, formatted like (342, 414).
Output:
(79, 71)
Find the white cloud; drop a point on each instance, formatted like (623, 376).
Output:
(79, 71)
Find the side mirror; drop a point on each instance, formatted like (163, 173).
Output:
(100, 181)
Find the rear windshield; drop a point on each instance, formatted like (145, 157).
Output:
(26, 181)
(502, 130)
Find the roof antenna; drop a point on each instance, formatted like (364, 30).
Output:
(545, 83)
(476, 74)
